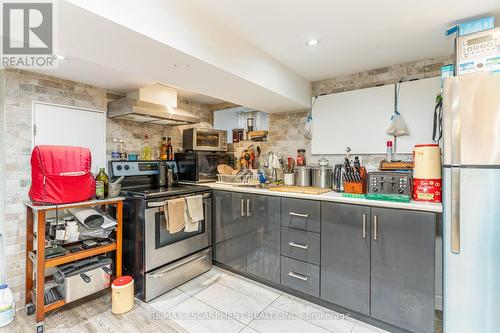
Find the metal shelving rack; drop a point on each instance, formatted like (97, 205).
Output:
(36, 262)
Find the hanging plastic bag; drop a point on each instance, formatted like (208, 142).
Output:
(308, 127)
(309, 121)
(398, 126)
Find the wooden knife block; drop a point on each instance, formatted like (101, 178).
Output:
(357, 187)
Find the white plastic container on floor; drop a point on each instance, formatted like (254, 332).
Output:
(122, 295)
(7, 305)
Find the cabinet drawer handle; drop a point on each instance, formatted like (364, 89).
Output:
(242, 207)
(364, 226)
(375, 227)
(300, 246)
(298, 215)
(298, 276)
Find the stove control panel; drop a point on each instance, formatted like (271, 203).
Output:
(390, 182)
(133, 168)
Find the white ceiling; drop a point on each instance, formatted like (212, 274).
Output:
(120, 45)
(250, 53)
(200, 98)
(354, 35)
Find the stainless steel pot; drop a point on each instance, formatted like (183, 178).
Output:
(322, 177)
(302, 176)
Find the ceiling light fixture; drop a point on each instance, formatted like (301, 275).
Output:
(181, 66)
(312, 42)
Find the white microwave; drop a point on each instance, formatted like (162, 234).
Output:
(478, 52)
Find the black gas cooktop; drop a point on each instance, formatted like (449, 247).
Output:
(149, 192)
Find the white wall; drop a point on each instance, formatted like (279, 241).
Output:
(226, 120)
(230, 119)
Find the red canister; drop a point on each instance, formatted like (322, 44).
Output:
(427, 173)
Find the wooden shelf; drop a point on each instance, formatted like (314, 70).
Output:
(36, 262)
(79, 255)
(53, 306)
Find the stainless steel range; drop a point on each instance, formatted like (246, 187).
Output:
(158, 260)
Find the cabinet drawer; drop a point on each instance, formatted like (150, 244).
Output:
(301, 245)
(301, 214)
(300, 276)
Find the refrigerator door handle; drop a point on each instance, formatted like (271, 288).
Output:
(455, 210)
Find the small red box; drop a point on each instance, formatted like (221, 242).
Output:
(427, 190)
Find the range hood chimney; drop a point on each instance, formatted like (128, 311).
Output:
(155, 104)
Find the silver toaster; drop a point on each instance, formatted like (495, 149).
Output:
(390, 182)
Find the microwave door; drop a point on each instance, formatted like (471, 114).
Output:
(207, 140)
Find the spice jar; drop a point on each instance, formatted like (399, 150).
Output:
(301, 157)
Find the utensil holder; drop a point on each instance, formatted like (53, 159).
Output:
(357, 187)
(289, 179)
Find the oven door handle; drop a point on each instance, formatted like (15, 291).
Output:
(163, 203)
(157, 204)
(177, 265)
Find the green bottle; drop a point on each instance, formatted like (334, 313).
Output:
(101, 184)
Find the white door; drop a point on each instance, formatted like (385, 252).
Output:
(71, 126)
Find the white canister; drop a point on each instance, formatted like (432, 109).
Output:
(427, 173)
(289, 178)
(122, 295)
(427, 159)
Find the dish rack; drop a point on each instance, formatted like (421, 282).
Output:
(239, 180)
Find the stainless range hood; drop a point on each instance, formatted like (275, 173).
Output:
(151, 113)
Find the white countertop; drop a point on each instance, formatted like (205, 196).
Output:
(333, 197)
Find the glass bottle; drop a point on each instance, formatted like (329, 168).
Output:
(147, 152)
(170, 150)
(101, 184)
(163, 150)
(301, 157)
(122, 150)
(115, 152)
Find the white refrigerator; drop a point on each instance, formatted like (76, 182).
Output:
(471, 203)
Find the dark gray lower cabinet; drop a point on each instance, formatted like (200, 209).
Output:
(379, 262)
(230, 229)
(247, 233)
(301, 276)
(263, 240)
(402, 268)
(345, 255)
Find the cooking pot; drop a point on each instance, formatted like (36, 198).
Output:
(322, 176)
(302, 176)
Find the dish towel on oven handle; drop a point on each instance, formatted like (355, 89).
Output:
(194, 213)
(175, 216)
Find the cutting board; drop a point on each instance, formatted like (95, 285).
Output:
(300, 189)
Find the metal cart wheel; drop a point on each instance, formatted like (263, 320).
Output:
(29, 308)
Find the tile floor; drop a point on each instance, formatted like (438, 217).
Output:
(220, 301)
(217, 301)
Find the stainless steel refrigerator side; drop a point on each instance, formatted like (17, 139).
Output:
(471, 120)
(451, 100)
(480, 119)
(472, 277)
